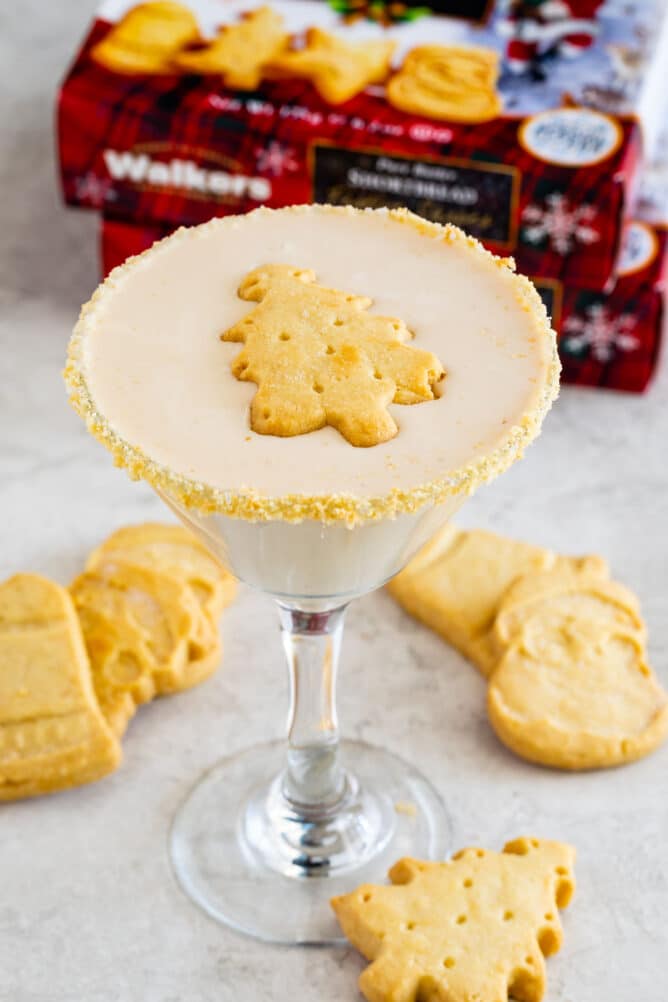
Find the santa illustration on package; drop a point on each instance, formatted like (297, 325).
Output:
(536, 29)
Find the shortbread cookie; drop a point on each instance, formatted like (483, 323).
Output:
(170, 550)
(147, 38)
(456, 583)
(475, 928)
(138, 627)
(318, 358)
(572, 694)
(452, 83)
(240, 51)
(52, 733)
(117, 634)
(569, 593)
(337, 69)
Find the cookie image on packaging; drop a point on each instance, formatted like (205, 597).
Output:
(337, 69)
(449, 83)
(147, 38)
(477, 927)
(240, 51)
(52, 733)
(319, 358)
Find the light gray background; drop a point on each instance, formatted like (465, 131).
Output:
(88, 907)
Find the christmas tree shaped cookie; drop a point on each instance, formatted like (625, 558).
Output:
(240, 51)
(319, 358)
(475, 928)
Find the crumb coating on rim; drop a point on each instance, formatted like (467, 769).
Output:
(349, 508)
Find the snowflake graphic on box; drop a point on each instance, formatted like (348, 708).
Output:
(276, 159)
(600, 333)
(562, 225)
(94, 190)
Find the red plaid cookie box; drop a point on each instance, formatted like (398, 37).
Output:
(545, 175)
(612, 337)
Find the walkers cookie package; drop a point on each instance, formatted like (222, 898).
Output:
(523, 122)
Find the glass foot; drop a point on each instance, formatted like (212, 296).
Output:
(261, 864)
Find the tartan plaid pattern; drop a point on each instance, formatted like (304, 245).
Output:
(626, 369)
(613, 338)
(187, 117)
(588, 265)
(639, 296)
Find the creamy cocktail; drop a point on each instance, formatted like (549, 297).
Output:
(313, 517)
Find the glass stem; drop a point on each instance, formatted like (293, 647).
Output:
(314, 781)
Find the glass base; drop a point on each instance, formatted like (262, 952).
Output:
(267, 867)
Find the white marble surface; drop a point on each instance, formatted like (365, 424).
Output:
(88, 906)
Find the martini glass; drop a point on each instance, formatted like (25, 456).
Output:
(269, 835)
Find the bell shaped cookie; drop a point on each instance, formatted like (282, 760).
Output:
(52, 732)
